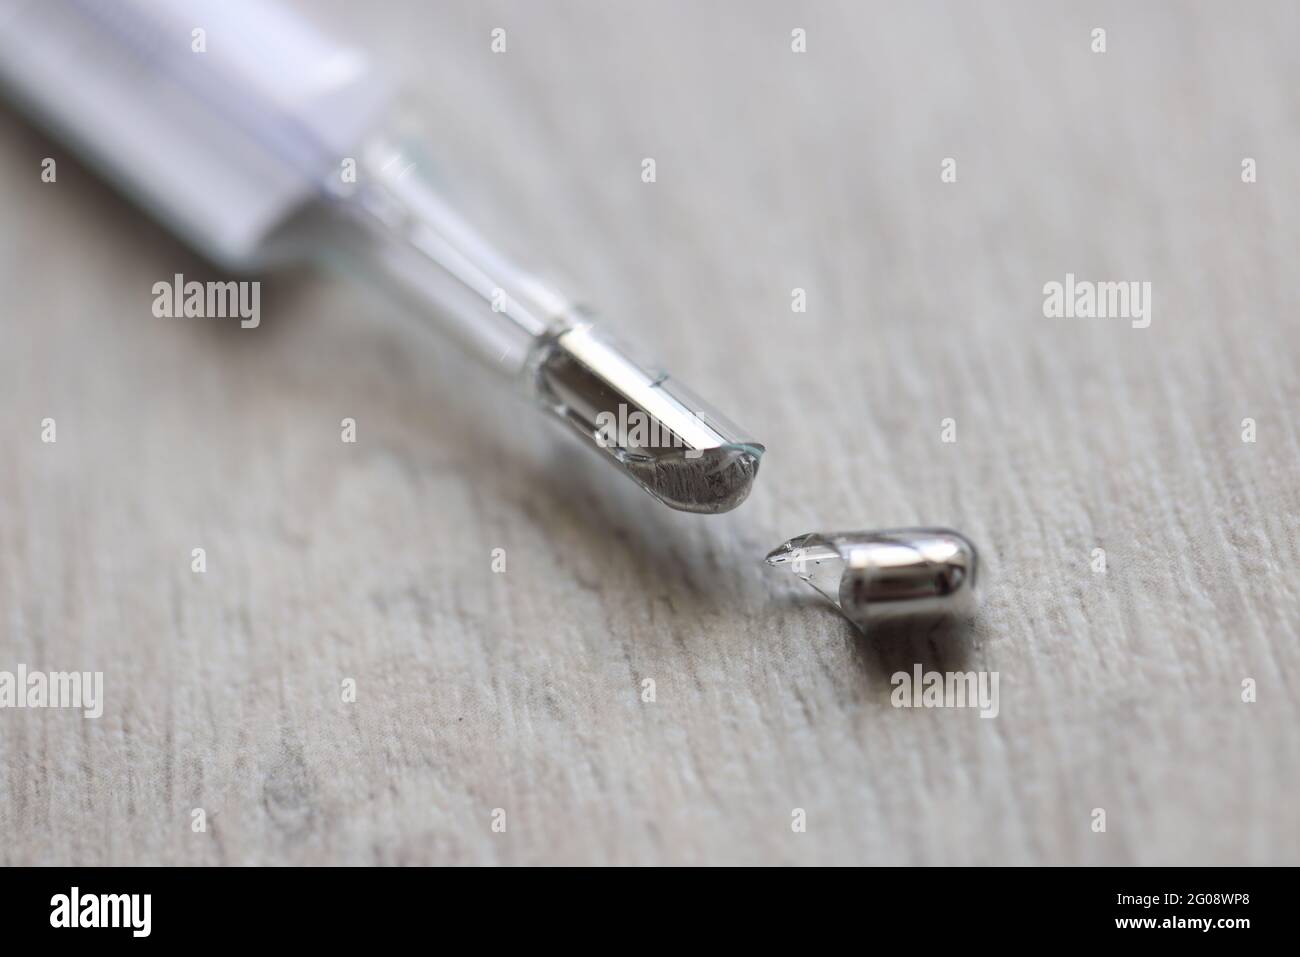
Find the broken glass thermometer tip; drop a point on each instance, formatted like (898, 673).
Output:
(880, 577)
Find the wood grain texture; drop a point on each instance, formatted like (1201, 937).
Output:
(521, 690)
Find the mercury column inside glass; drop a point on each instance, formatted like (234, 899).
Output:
(659, 433)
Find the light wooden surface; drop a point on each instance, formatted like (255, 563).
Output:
(521, 690)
